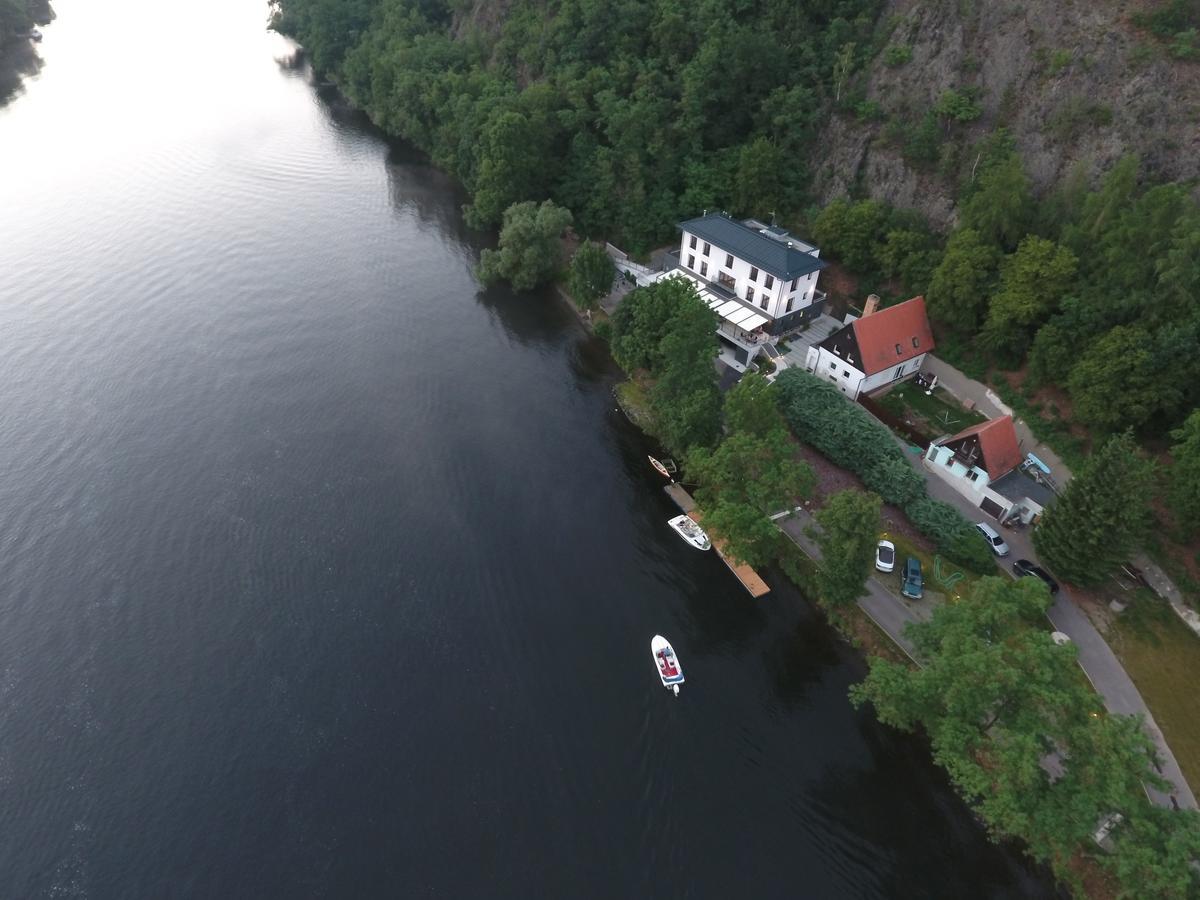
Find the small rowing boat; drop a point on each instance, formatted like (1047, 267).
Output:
(662, 468)
(667, 663)
(690, 532)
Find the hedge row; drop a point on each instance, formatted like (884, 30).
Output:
(849, 436)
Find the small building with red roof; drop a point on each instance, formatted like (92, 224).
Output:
(985, 464)
(881, 347)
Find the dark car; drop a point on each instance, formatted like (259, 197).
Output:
(1023, 567)
(913, 588)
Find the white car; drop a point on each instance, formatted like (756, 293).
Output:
(994, 540)
(885, 556)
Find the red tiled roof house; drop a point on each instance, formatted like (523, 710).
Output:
(876, 350)
(984, 464)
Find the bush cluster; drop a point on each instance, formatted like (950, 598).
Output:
(849, 436)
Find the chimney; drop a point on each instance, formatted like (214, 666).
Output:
(871, 306)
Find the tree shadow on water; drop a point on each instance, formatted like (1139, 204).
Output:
(19, 60)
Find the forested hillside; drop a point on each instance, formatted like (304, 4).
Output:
(1029, 166)
(631, 113)
(1077, 85)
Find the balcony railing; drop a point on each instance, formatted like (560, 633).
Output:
(752, 338)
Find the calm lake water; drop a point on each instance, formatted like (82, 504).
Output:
(326, 572)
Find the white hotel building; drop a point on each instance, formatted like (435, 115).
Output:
(761, 281)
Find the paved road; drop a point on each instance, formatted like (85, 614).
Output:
(1096, 658)
(884, 608)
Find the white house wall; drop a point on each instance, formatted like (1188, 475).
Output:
(834, 369)
(776, 297)
(893, 373)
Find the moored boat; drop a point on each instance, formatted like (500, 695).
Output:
(667, 663)
(661, 468)
(690, 532)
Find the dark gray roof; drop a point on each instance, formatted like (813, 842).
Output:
(1016, 486)
(767, 253)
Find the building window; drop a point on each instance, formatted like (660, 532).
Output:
(795, 282)
(899, 372)
(726, 280)
(707, 247)
(770, 282)
(693, 243)
(753, 274)
(729, 260)
(899, 350)
(916, 342)
(703, 268)
(950, 459)
(749, 293)
(763, 302)
(845, 373)
(972, 475)
(833, 366)
(691, 260)
(791, 300)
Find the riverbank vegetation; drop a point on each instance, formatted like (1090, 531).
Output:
(751, 474)
(531, 247)
(632, 114)
(1029, 743)
(590, 275)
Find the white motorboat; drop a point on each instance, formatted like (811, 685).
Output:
(690, 532)
(667, 663)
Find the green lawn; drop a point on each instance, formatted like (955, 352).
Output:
(1162, 656)
(935, 415)
(957, 581)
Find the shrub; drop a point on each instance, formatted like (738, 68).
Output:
(954, 535)
(895, 481)
(820, 415)
(897, 55)
(590, 275)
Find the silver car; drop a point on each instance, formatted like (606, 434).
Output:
(993, 538)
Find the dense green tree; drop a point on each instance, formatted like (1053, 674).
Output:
(644, 318)
(668, 330)
(1101, 516)
(590, 274)
(1001, 207)
(853, 232)
(1155, 852)
(632, 114)
(954, 535)
(848, 530)
(1032, 282)
(957, 106)
(960, 285)
(821, 416)
(1184, 475)
(997, 698)
(895, 481)
(923, 144)
(1114, 384)
(530, 245)
(759, 188)
(911, 256)
(513, 167)
(685, 398)
(745, 479)
(752, 407)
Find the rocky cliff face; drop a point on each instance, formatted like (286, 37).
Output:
(1074, 82)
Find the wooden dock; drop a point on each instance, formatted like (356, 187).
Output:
(750, 579)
